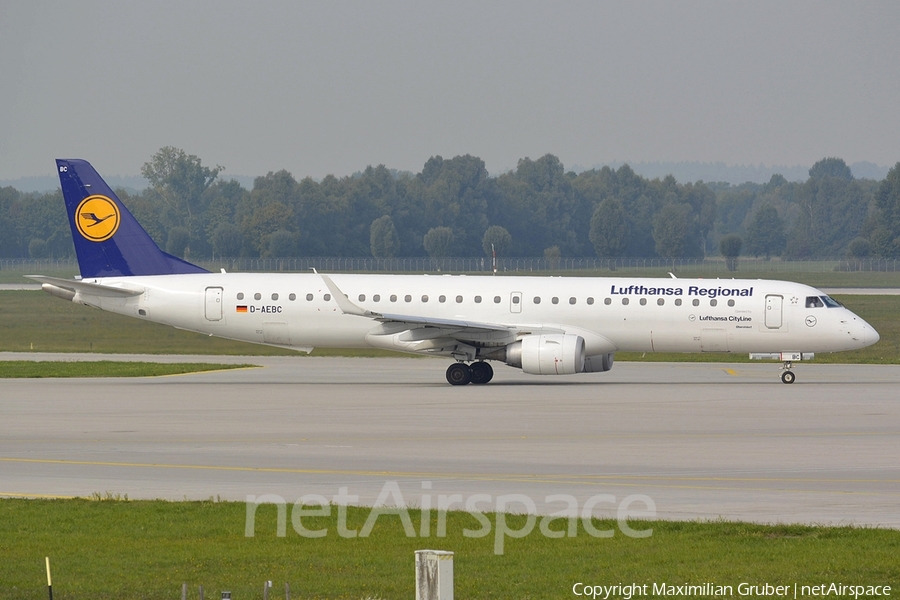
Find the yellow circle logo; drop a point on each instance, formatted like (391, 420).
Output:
(97, 218)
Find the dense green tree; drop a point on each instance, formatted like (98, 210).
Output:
(496, 239)
(42, 216)
(553, 255)
(281, 243)
(438, 242)
(859, 248)
(609, 231)
(450, 193)
(222, 200)
(831, 167)
(886, 234)
(178, 180)
(37, 248)
(833, 211)
(765, 234)
(730, 247)
(539, 204)
(227, 241)
(383, 239)
(9, 221)
(672, 229)
(178, 242)
(264, 221)
(703, 204)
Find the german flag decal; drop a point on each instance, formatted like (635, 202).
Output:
(241, 308)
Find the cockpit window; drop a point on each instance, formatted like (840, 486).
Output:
(830, 302)
(813, 302)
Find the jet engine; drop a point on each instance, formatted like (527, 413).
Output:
(599, 363)
(552, 354)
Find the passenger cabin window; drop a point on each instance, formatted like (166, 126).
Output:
(731, 303)
(393, 297)
(590, 300)
(624, 301)
(477, 299)
(309, 297)
(362, 297)
(292, 296)
(515, 299)
(407, 298)
(257, 296)
(814, 302)
(497, 299)
(240, 296)
(643, 302)
(459, 299)
(713, 302)
(274, 296)
(327, 297)
(607, 301)
(677, 301)
(376, 298)
(425, 298)
(572, 300)
(442, 298)
(537, 299)
(554, 300)
(695, 302)
(660, 301)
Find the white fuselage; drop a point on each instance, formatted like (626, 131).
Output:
(610, 313)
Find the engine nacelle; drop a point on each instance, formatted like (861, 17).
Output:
(599, 363)
(553, 354)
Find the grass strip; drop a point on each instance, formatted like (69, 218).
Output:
(17, 369)
(147, 549)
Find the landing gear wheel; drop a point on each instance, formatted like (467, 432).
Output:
(788, 377)
(482, 372)
(459, 374)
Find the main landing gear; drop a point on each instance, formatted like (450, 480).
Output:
(787, 376)
(461, 374)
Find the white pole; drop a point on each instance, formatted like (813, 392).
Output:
(434, 575)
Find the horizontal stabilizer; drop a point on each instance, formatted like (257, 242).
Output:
(91, 289)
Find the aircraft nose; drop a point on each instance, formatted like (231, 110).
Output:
(870, 336)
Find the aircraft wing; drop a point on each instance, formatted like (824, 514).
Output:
(349, 308)
(429, 334)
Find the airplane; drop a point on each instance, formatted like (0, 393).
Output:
(542, 325)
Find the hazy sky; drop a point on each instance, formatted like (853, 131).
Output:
(330, 87)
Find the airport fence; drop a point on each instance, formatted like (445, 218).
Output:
(525, 265)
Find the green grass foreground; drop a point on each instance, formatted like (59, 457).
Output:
(147, 549)
(27, 369)
(35, 321)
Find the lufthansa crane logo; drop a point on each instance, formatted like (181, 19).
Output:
(97, 218)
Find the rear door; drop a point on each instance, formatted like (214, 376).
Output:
(213, 304)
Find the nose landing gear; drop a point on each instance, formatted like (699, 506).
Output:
(787, 376)
(461, 374)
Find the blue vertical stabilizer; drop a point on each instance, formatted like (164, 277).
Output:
(109, 241)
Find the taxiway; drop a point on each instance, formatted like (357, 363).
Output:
(700, 440)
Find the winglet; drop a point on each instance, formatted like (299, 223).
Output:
(347, 307)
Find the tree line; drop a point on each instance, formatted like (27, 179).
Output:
(454, 208)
